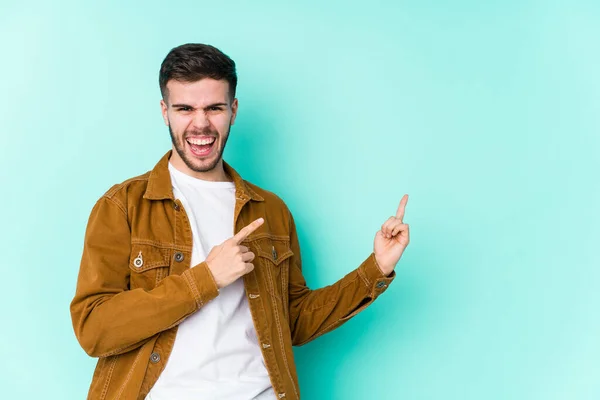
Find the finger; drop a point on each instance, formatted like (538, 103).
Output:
(249, 267)
(399, 228)
(243, 249)
(402, 207)
(247, 230)
(249, 256)
(386, 227)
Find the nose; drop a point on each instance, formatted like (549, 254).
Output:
(201, 120)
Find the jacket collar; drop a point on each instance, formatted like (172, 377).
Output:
(160, 185)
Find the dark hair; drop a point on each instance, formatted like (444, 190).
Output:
(194, 61)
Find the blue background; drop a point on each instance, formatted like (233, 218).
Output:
(485, 113)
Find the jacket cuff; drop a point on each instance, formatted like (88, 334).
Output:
(201, 283)
(373, 277)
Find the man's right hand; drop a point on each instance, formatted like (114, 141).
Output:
(230, 260)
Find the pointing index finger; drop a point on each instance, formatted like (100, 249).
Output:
(247, 230)
(402, 207)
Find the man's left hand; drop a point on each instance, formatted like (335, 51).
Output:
(391, 240)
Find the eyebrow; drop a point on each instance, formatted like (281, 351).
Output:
(208, 106)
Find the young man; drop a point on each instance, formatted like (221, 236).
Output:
(190, 284)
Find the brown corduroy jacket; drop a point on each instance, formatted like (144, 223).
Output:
(136, 284)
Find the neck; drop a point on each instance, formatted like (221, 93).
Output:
(217, 174)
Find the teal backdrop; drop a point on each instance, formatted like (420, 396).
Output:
(486, 113)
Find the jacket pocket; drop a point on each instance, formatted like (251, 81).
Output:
(148, 264)
(273, 256)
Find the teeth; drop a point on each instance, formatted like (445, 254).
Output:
(198, 142)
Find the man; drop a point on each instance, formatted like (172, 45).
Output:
(190, 284)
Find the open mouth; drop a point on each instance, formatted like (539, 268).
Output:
(201, 146)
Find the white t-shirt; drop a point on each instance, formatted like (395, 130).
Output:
(216, 353)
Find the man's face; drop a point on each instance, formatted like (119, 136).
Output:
(199, 115)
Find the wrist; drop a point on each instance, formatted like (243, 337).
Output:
(385, 271)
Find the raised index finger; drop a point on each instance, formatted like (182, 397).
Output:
(247, 230)
(402, 207)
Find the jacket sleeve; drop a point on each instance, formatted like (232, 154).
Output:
(107, 317)
(315, 312)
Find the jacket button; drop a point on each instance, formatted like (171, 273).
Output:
(154, 357)
(274, 253)
(179, 256)
(139, 261)
(176, 206)
(381, 284)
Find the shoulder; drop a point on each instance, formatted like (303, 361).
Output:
(274, 205)
(271, 198)
(122, 192)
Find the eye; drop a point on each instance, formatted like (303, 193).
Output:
(184, 109)
(215, 108)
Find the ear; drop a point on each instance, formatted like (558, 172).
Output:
(234, 109)
(163, 109)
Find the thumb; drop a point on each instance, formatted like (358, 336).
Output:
(214, 251)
